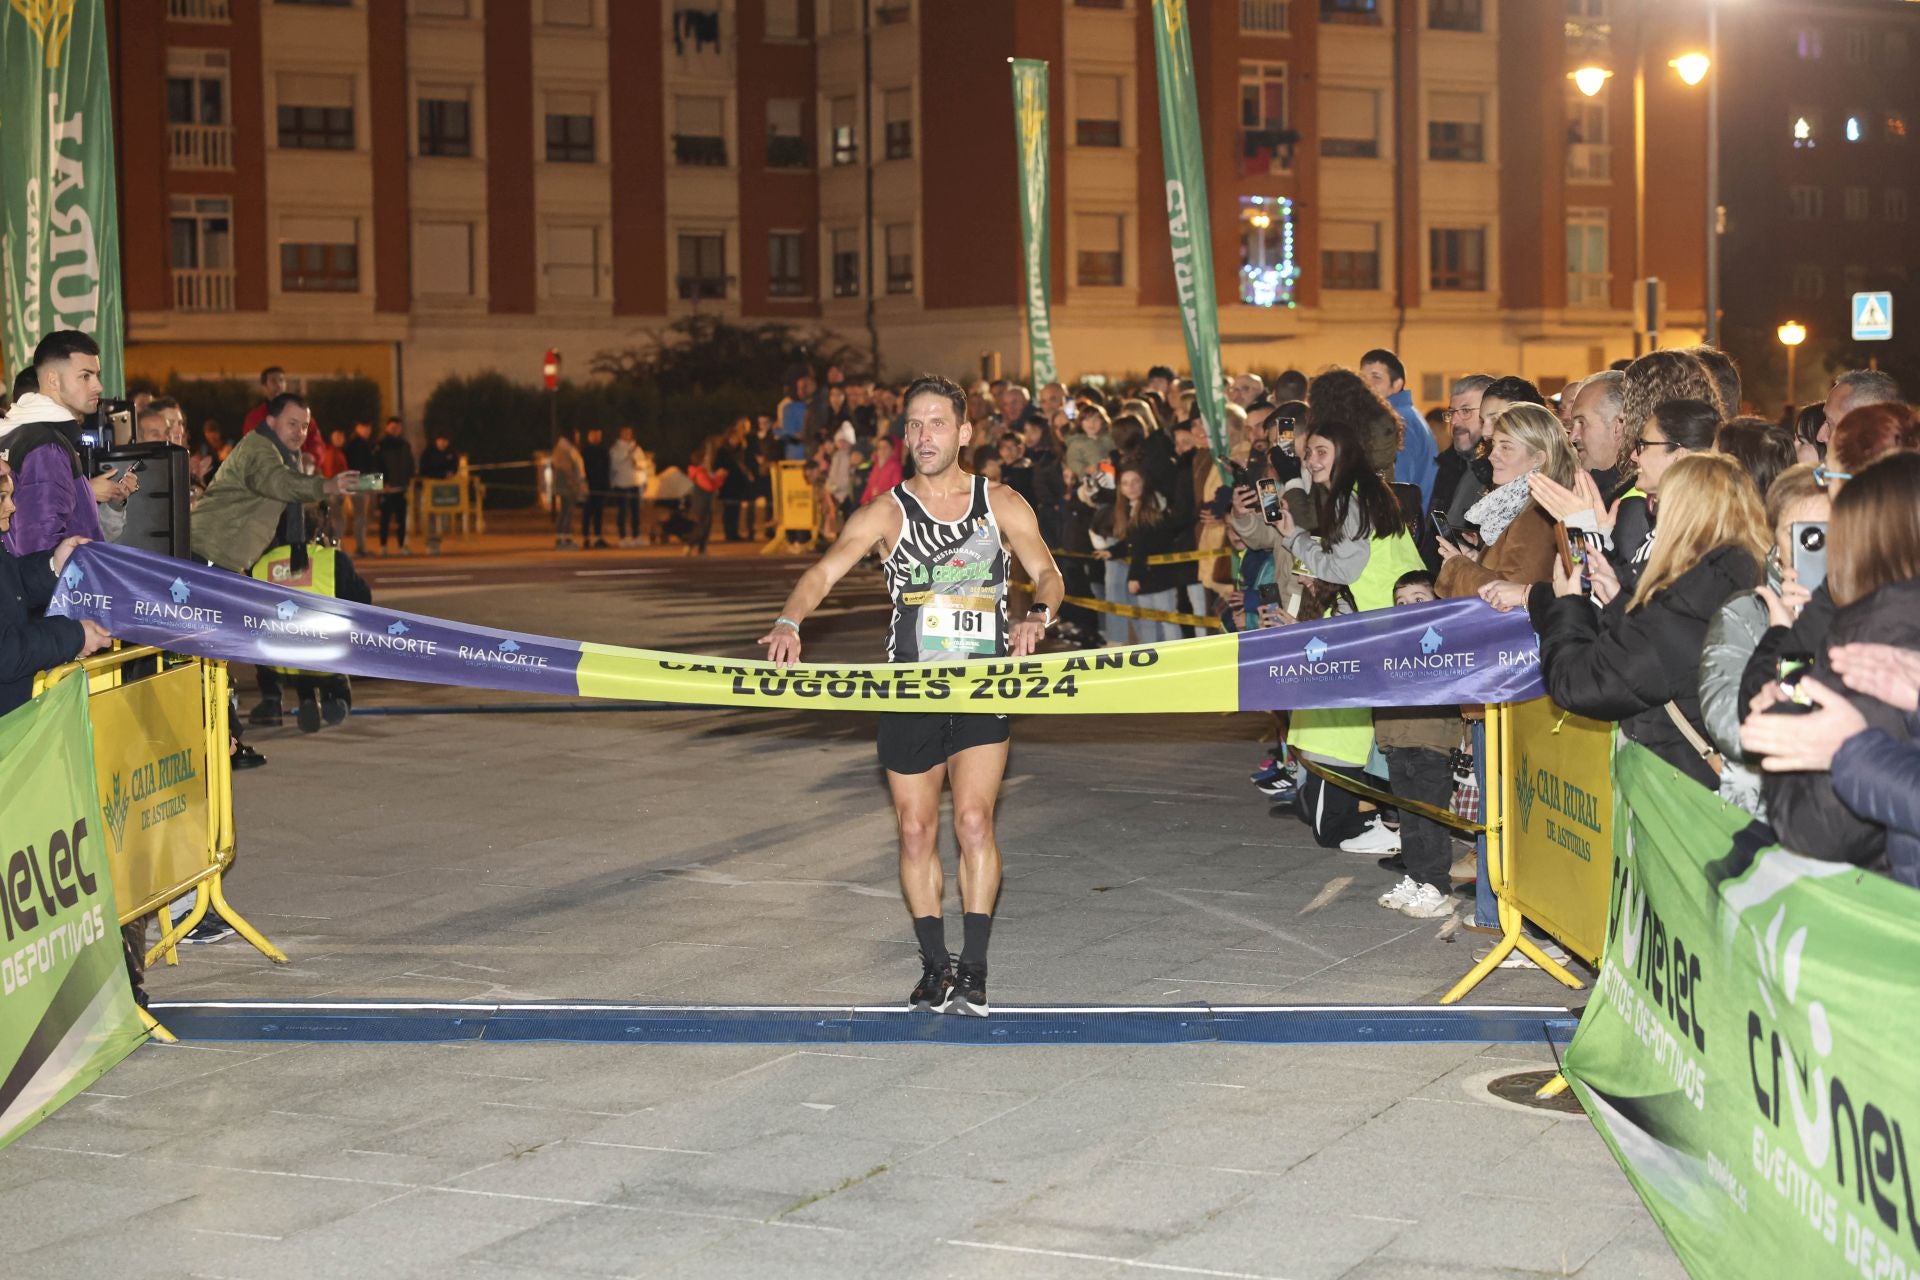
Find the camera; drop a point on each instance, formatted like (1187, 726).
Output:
(1812, 537)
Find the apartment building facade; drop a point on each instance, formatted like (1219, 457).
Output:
(416, 188)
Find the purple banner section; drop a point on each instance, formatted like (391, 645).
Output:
(182, 605)
(1450, 651)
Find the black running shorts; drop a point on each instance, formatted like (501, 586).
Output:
(916, 741)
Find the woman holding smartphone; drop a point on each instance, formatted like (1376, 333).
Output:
(1518, 541)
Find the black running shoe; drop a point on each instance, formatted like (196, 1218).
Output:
(212, 928)
(969, 998)
(931, 994)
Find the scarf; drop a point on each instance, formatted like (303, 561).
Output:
(1498, 508)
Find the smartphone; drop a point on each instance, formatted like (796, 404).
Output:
(1269, 593)
(1071, 409)
(371, 482)
(1441, 529)
(1809, 539)
(1791, 667)
(1269, 499)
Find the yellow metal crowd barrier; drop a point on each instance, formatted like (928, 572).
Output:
(793, 510)
(459, 499)
(161, 754)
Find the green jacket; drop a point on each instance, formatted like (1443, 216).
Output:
(234, 523)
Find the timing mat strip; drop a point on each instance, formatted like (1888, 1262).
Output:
(388, 1021)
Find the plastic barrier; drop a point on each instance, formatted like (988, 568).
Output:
(160, 746)
(459, 499)
(793, 510)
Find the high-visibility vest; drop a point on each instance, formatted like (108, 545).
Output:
(276, 566)
(1345, 734)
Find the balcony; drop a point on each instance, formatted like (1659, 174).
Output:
(200, 146)
(1265, 17)
(203, 288)
(1266, 152)
(199, 11)
(785, 152)
(699, 151)
(698, 289)
(1589, 162)
(1589, 290)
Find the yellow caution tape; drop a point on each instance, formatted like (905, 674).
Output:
(1170, 557)
(1150, 615)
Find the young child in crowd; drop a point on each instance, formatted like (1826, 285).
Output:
(1416, 742)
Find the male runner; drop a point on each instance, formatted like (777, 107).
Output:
(944, 538)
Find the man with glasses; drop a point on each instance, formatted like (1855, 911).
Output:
(1463, 417)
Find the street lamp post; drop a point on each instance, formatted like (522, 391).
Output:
(1791, 335)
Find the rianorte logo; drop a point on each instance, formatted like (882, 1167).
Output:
(1316, 649)
(1433, 656)
(286, 610)
(70, 580)
(1314, 662)
(176, 609)
(71, 577)
(1431, 641)
(397, 629)
(180, 592)
(506, 653)
(508, 646)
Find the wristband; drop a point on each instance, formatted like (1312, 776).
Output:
(784, 621)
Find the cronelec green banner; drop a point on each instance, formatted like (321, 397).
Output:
(1036, 261)
(1749, 1049)
(66, 1007)
(1188, 225)
(62, 261)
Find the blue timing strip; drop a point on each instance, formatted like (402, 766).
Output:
(346, 1021)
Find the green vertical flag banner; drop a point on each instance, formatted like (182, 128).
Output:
(1748, 1052)
(1188, 225)
(62, 260)
(1036, 258)
(66, 1007)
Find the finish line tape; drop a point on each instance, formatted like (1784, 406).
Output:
(387, 1021)
(1447, 652)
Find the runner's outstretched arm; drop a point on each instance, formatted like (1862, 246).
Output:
(1021, 531)
(871, 525)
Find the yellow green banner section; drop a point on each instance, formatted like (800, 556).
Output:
(1187, 675)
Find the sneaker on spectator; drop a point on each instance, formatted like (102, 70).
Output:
(307, 716)
(210, 929)
(1269, 770)
(245, 757)
(1426, 903)
(266, 714)
(1377, 838)
(334, 710)
(1396, 897)
(1285, 780)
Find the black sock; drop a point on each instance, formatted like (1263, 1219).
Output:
(932, 933)
(978, 926)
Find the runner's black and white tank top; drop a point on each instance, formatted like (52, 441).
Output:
(948, 580)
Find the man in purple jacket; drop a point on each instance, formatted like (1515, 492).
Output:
(40, 441)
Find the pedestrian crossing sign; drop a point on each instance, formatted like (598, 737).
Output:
(1872, 317)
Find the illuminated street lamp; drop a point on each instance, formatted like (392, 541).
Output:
(1590, 80)
(1791, 335)
(1691, 66)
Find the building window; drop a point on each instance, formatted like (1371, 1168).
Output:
(1588, 280)
(442, 255)
(1859, 204)
(843, 138)
(1589, 139)
(785, 275)
(573, 262)
(846, 262)
(570, 128)
(786, 142)
(900, 257)
(1096, 111)
(1268, 271)
(1454, 15)
(200, 235)
(1806, 43)
(1099, 258)
(897, 109)
(315, 113)
(1806, 204)
(1266, 144)
(1454, 128)
(320, 255)
(566, 13)
(1809, 282)
(1362, 12)
(1895, 126)
(1350, 255)
(199, 132)
(1350, 123)
(783, 19)
(1264, 17)
(446, 121)
(703, 266)
(699, 131)
(1895, 204)
(1805, 128)
(1458, 260)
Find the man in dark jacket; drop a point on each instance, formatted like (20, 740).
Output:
(41, 444)
(597, 457)
(438, 461)
(31, 642)
(396, 464)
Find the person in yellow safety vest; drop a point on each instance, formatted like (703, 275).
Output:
(1362, 544)
(324, 698)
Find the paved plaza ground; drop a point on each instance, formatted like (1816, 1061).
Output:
(720, 856)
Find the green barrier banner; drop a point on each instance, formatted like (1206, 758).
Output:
(1030, 136)
(66, 1007)
(57, 203)
(1748, 1051)
(1188, 225)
